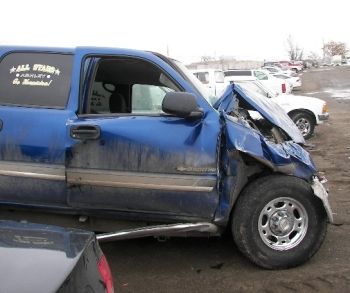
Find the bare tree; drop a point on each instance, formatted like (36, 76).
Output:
(334, 48)
(293, 50)
(313, 56)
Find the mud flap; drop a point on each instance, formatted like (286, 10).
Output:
(321, 192)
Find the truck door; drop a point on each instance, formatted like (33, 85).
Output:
(34, 89)
(130, 156)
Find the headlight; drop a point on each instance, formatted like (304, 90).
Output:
(325, 108)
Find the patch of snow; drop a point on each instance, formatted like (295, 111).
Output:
(313, 93)
(343, 94)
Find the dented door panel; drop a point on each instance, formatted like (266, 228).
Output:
(159, 164)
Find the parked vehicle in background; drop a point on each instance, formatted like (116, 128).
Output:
(306, 112)
(347, 60)
(264, 76)
(40, 258)
(294, 81)
(213, 79)
(296, 66)
(336, 60)
(309, 63)
(277, 70)
(273, 64)
(131, 136)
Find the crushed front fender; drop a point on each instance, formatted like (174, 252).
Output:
(287, 158)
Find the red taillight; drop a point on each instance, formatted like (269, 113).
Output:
(284, 88)
(106, 274)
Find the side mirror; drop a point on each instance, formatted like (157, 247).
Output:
(182, 105)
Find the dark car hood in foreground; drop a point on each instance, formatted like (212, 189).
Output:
(38, 258)
(266, 107)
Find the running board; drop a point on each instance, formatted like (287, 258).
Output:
(160, 230)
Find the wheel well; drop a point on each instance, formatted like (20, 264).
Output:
(291, 113)
(251, 171)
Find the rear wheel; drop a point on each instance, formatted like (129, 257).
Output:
(305, 123)
(278, 222)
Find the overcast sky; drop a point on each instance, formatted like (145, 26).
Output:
(255, 29)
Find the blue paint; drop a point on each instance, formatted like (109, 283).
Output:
(150, 144)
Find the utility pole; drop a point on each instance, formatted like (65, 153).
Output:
(323, 50)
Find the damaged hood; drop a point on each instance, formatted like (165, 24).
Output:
(267, 108)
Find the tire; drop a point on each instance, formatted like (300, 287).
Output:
(251, 219)
(305, 122)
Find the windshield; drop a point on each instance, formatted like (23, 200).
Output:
(196, 83)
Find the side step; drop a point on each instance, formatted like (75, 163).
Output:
(160, 230)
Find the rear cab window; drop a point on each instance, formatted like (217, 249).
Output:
(281, 76)
(35, 79)
(238, 73)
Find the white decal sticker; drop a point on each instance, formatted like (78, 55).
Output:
(41, 75)
(36, 82)
(46, 69)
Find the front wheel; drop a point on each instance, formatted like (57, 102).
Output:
(278, 222)
(305, 123)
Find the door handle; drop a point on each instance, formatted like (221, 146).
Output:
(84, 132)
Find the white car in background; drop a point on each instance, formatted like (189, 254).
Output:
(306, 112)
(213, 79)
(278, 70)
(277, 84)
(294, 81)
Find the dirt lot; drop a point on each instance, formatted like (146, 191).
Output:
(215, 265)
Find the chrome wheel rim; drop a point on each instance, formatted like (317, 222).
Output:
(304, 126)
(283, 223)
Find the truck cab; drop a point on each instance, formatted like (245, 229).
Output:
(132, 136)
(213, 79)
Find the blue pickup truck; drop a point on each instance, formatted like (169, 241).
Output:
(132, 136)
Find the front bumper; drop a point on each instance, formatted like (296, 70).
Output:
(321, 192)
(323, 117)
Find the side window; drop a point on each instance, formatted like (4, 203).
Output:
(148, 98)
(101, 93)
(203, 77)
(35, 79)
(260, 75)
(127, 85)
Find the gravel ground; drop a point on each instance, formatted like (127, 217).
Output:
(215, 265)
